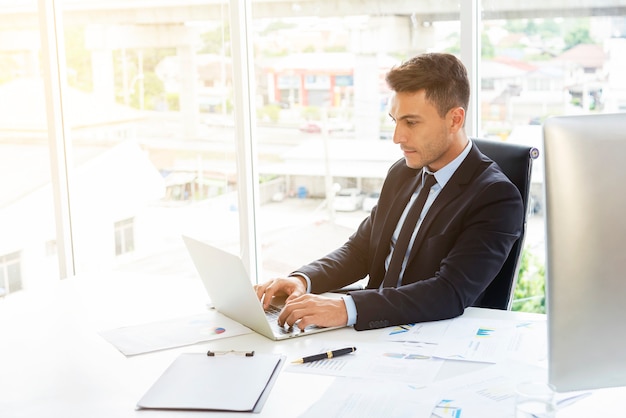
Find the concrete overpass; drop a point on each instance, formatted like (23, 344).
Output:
(394, 25)
(16, 14)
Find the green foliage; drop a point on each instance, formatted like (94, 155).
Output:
(516, 25)
(216, 41)
(227, 104)
(486, 47)
(275, 52)
(269, 112)
(544, 28)
(549, 28)
(7, 68)
(266, 178)
(311, 113)
(530, 291)
(153, 90)
(173, 101)
(153, 86)
(78, 58)
(152, 57)
(579, 35)
(455, 43)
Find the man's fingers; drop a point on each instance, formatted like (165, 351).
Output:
(292, 297)
(290, 286)
(307, 310)
(270, 291)
(297, 313)
(284, 315)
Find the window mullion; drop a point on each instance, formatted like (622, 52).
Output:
(470, 55)
(247, 177)
(53, 53)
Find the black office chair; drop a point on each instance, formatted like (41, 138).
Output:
(516, 162)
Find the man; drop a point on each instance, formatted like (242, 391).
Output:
(471, 218)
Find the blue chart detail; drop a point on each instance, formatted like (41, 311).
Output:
(484, 332)
(448, 410)
(401, 329)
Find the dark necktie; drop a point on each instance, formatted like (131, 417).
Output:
(404, 238)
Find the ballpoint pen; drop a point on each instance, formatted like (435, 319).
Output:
(326, 355)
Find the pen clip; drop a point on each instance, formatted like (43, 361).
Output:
(233, 352)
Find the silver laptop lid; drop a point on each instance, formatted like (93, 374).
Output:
(228, 285)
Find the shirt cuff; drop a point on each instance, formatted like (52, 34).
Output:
(350, 308)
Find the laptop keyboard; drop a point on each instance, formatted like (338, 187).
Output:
(271, 314)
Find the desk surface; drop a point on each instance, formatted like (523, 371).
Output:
(53, 362)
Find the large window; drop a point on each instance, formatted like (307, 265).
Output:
(546, 61)
(151, 131)
(167, 117)
(26, 204)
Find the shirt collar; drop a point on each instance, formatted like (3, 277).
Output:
(445, 173)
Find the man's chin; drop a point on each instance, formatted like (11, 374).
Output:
(411, 164)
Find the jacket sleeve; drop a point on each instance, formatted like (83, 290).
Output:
(343, 266)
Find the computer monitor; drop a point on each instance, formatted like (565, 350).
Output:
(585, 177)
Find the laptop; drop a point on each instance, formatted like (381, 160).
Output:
(230, 289)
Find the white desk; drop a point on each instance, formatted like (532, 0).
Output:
(53, 363)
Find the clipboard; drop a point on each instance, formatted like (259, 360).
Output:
(216, 381)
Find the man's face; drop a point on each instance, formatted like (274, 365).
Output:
(423, 135)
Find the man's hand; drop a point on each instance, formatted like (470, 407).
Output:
(308, 309)
(292, 287)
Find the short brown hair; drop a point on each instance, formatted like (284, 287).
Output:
(442, 76)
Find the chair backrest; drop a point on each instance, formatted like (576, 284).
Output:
(516, 162)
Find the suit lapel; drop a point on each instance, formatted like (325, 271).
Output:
(455, 186)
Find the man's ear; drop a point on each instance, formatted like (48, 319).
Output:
(457, 118)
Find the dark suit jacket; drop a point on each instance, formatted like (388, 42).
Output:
(462, 243)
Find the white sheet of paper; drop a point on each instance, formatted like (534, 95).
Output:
(486, 393)
(357, 398)
(478, 340)
(391, 360)
(489, 340)
(177, 332)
